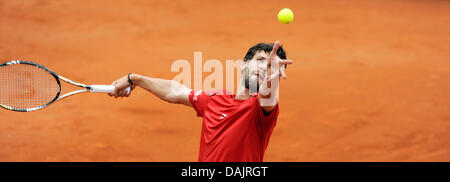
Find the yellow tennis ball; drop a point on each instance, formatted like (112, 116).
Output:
(286, 16)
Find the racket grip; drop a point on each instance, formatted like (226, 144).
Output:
(105, 88)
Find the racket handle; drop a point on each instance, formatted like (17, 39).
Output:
(105, 88)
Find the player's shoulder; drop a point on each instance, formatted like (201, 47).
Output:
(223, 92)
(211, 94)
(219, 95)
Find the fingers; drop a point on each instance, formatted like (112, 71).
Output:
(120, 93)
(121, 88)
(283, 61)
(273, 53)
(123, 92)
(276, 74)
(283, 72)
(117, 92)
(127, 92)
(115, 89)
(276, 45)
(282, 69)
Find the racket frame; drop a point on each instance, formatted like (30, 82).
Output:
(87, 88)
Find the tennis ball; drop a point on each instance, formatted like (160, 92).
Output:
(285, 16)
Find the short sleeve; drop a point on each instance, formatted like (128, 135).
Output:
(267, 121)
(199, 100)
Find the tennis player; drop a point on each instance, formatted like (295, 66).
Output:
(236, 128)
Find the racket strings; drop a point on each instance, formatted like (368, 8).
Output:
(24, 86)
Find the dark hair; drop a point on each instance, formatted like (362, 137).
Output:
(267, 47)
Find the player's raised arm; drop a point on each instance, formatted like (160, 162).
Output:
(275, 68)
(167, 90)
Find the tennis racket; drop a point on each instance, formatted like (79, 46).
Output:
(27, 86)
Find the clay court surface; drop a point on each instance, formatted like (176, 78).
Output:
(371, 79)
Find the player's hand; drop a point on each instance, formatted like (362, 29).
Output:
(275, 71)
(121, 86)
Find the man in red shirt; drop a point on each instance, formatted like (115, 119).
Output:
(236, 128)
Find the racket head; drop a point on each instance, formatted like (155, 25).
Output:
(27, 86)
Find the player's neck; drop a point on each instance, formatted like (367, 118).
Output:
(242, 92)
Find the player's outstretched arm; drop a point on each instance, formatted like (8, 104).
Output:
(267, 95)
(167, 90)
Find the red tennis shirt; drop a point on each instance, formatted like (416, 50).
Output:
(232, 130)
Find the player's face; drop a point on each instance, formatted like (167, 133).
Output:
(255, 70)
